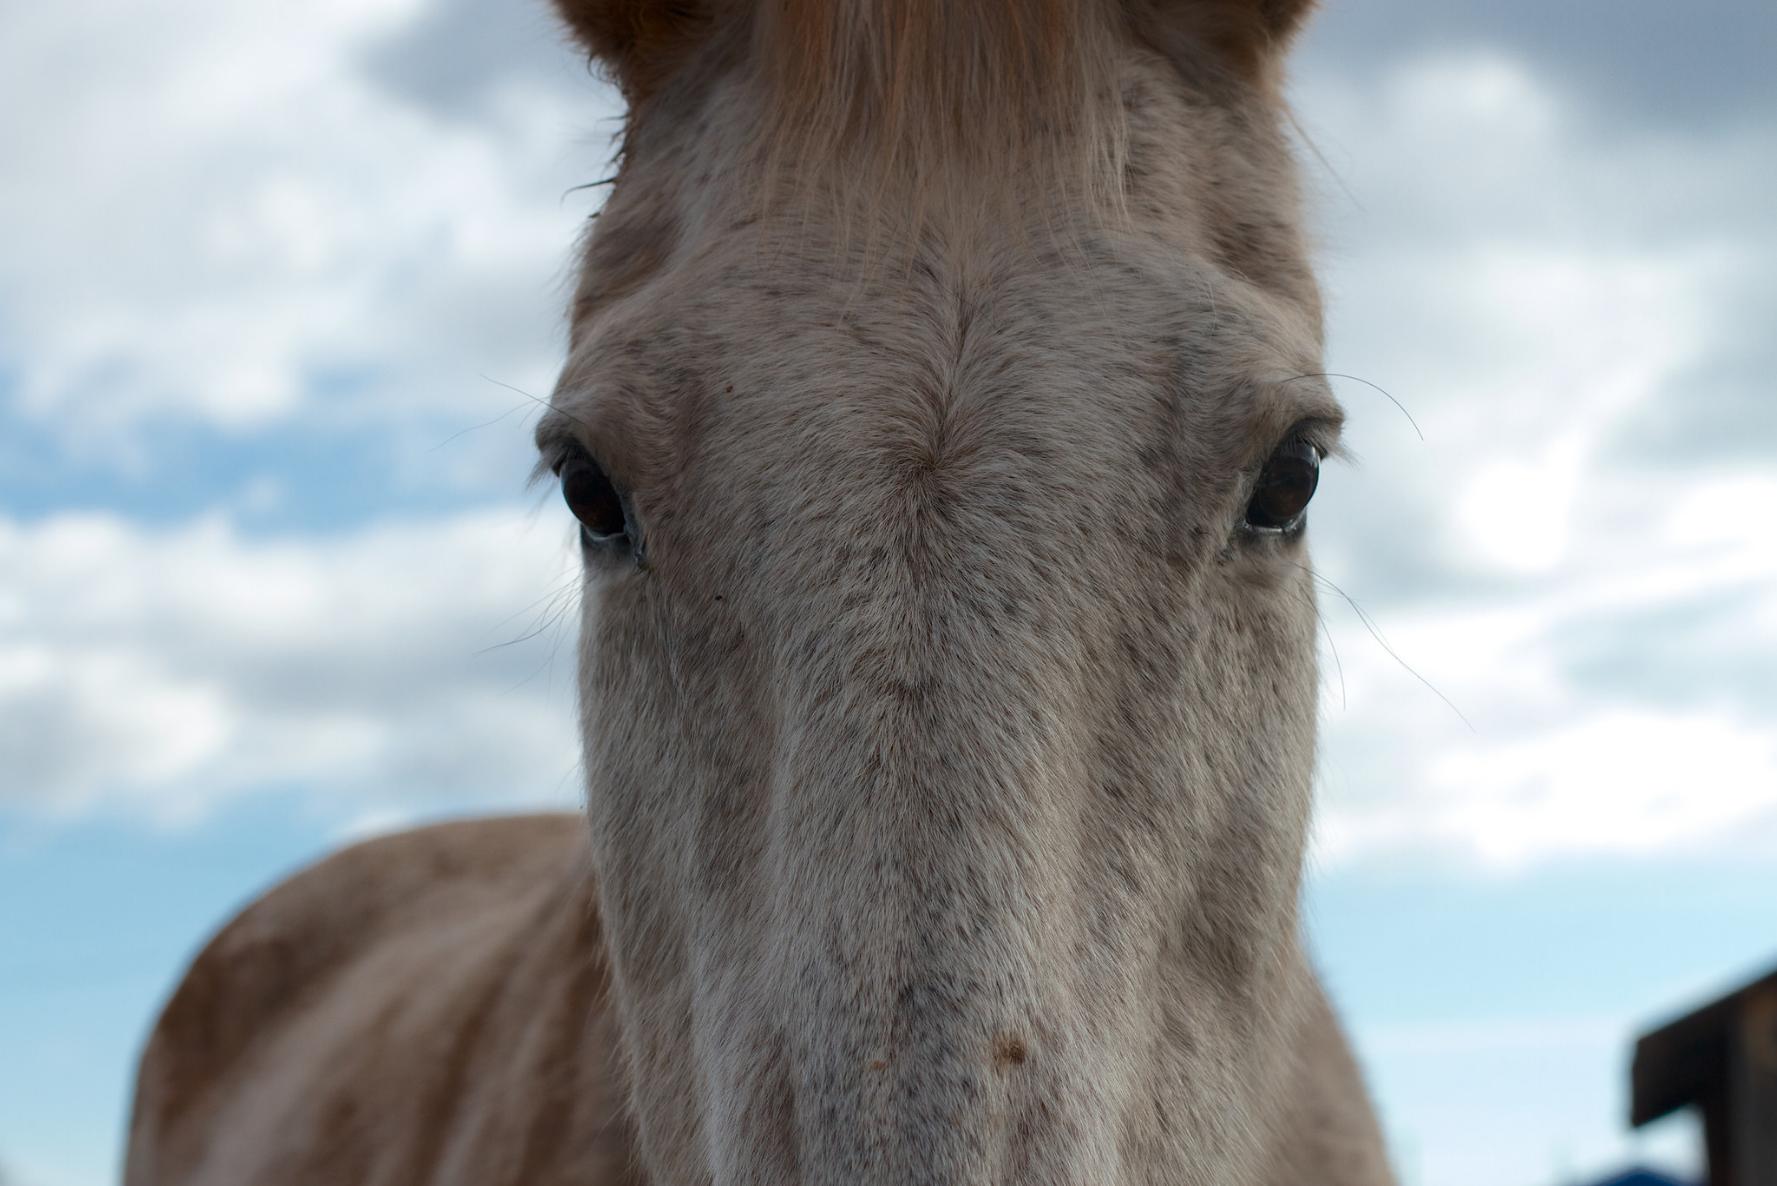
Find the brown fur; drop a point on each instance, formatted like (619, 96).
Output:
(949, 760)
(884, 91)
(1248, 37)
(645, 41)
(883, 97)
(429, 1007)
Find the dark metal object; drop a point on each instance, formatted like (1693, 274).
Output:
(1723, 1058)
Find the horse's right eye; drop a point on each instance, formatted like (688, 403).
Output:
(592, 498)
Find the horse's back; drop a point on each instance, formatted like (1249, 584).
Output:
(425, 1008)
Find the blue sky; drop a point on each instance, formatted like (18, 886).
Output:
(278, 288)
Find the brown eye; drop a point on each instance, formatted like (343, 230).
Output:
(594, 501)
(1285, 486)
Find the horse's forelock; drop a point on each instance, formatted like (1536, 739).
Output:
(899, 94)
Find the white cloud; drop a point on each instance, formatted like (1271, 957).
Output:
(227, 215)
(1617, 709)
(1616, 781)
(1534, 286)
(158, 673)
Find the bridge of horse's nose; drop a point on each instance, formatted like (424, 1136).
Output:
(924, 840)
(928, 1028)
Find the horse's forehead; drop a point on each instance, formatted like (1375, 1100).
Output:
(1000, 309)
(749, 333)
(738, 370)
(664, 284)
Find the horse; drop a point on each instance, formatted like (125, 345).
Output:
(942, 408)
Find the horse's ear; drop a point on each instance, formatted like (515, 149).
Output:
(1250, 35)
(639, 41)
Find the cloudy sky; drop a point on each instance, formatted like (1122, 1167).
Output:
(278, 285)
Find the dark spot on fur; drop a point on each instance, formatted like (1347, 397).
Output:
(1009, 1050)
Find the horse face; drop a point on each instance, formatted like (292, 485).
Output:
(947, 658)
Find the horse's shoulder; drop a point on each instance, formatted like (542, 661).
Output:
(274, 961)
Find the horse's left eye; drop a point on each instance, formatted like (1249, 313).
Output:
(1285, 486)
